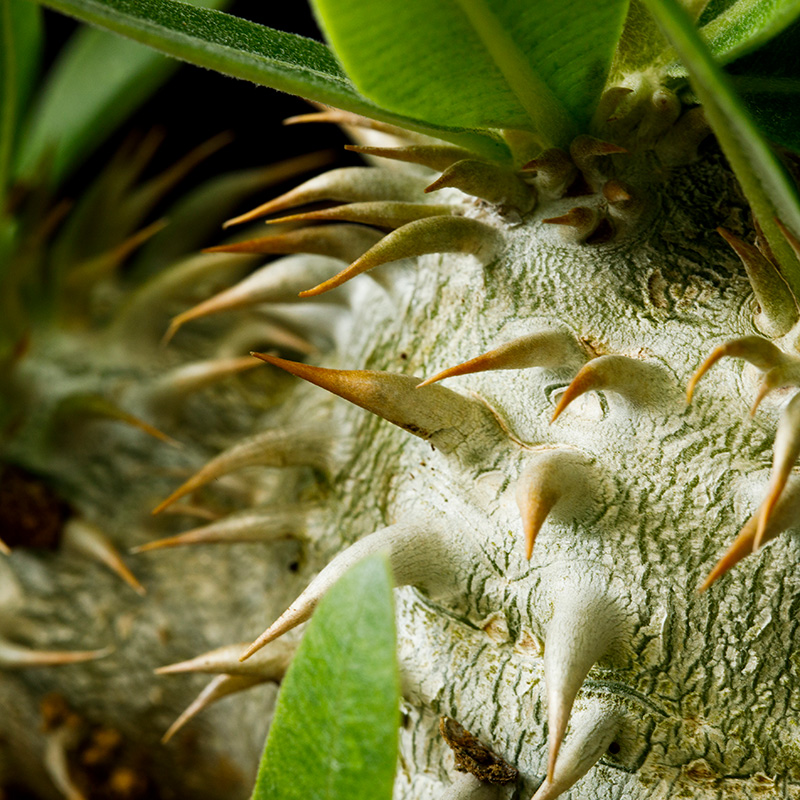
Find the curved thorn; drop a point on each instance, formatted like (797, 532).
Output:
(592, 730)
(777, 378)
(582, 219)
(554, 477)
(88, 540)
(345, 242)
(634, 379)
(787, 449)
(434, 413)
(55, 762)
(309, 447)
(783, 516)
(336, 116)
(253, 525)
(193, 377)
(550, 349)
(756, 350)
(414, 555)
(553, 171)
(452, 234)
(489, 182)
(270, 663)
(277, 282)
(343, 185)
(382, 214)
(14, 656)
(586, 624)
(778, 307)
(587, 153)
(434, 156)
(219, 687)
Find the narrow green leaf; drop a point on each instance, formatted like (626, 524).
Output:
(20, 51)
(747, 25)
(244, 49)
(763, 181)
(95, 84)
(536, 66)
(334, 733)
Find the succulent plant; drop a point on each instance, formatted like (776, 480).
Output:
(541, 352)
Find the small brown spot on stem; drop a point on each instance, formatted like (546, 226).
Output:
(473, 756)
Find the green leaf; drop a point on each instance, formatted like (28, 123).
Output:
(96, 83)
(764, 182)
(746, 25)
(769, 82)
(536, 66)
(20, 51)
(244, 49)
(334, 733)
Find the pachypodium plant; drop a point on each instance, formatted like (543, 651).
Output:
(542, 351)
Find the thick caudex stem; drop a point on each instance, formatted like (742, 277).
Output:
(554, 480)
(468, 787)
(441, 234)
(552, 349)
(593, 728)
(415, 551)
(587, 623)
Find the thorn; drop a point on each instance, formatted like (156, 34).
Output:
(270, 663)
(343, 185)
(219, 687)
(793, 241)
(433, 413)
(639, 381)
(660, 113)
(193, 511)
(592, 729)
(756, 350)
(262, 334)
(778, 310)
(587, 154)
(432, 235)
(14, 656)
(585, 626)
(553, 171)
(489, 182)
(777, 378)
(382, 214)
(345, 242)
(608, 104)
(787, 449)
(4, 548)
(782, 517)
(86, 539)
(193, 377)
(582, 219)
(337, 117)
(551, 349)
(55, 762)
(252, 525)
(434, 156)
(415, 555)
(277, 282)
(96, 407)
(309, 447)
(679, 145)
(555, 477)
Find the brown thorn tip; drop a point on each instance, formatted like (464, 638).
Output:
(4, 548)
